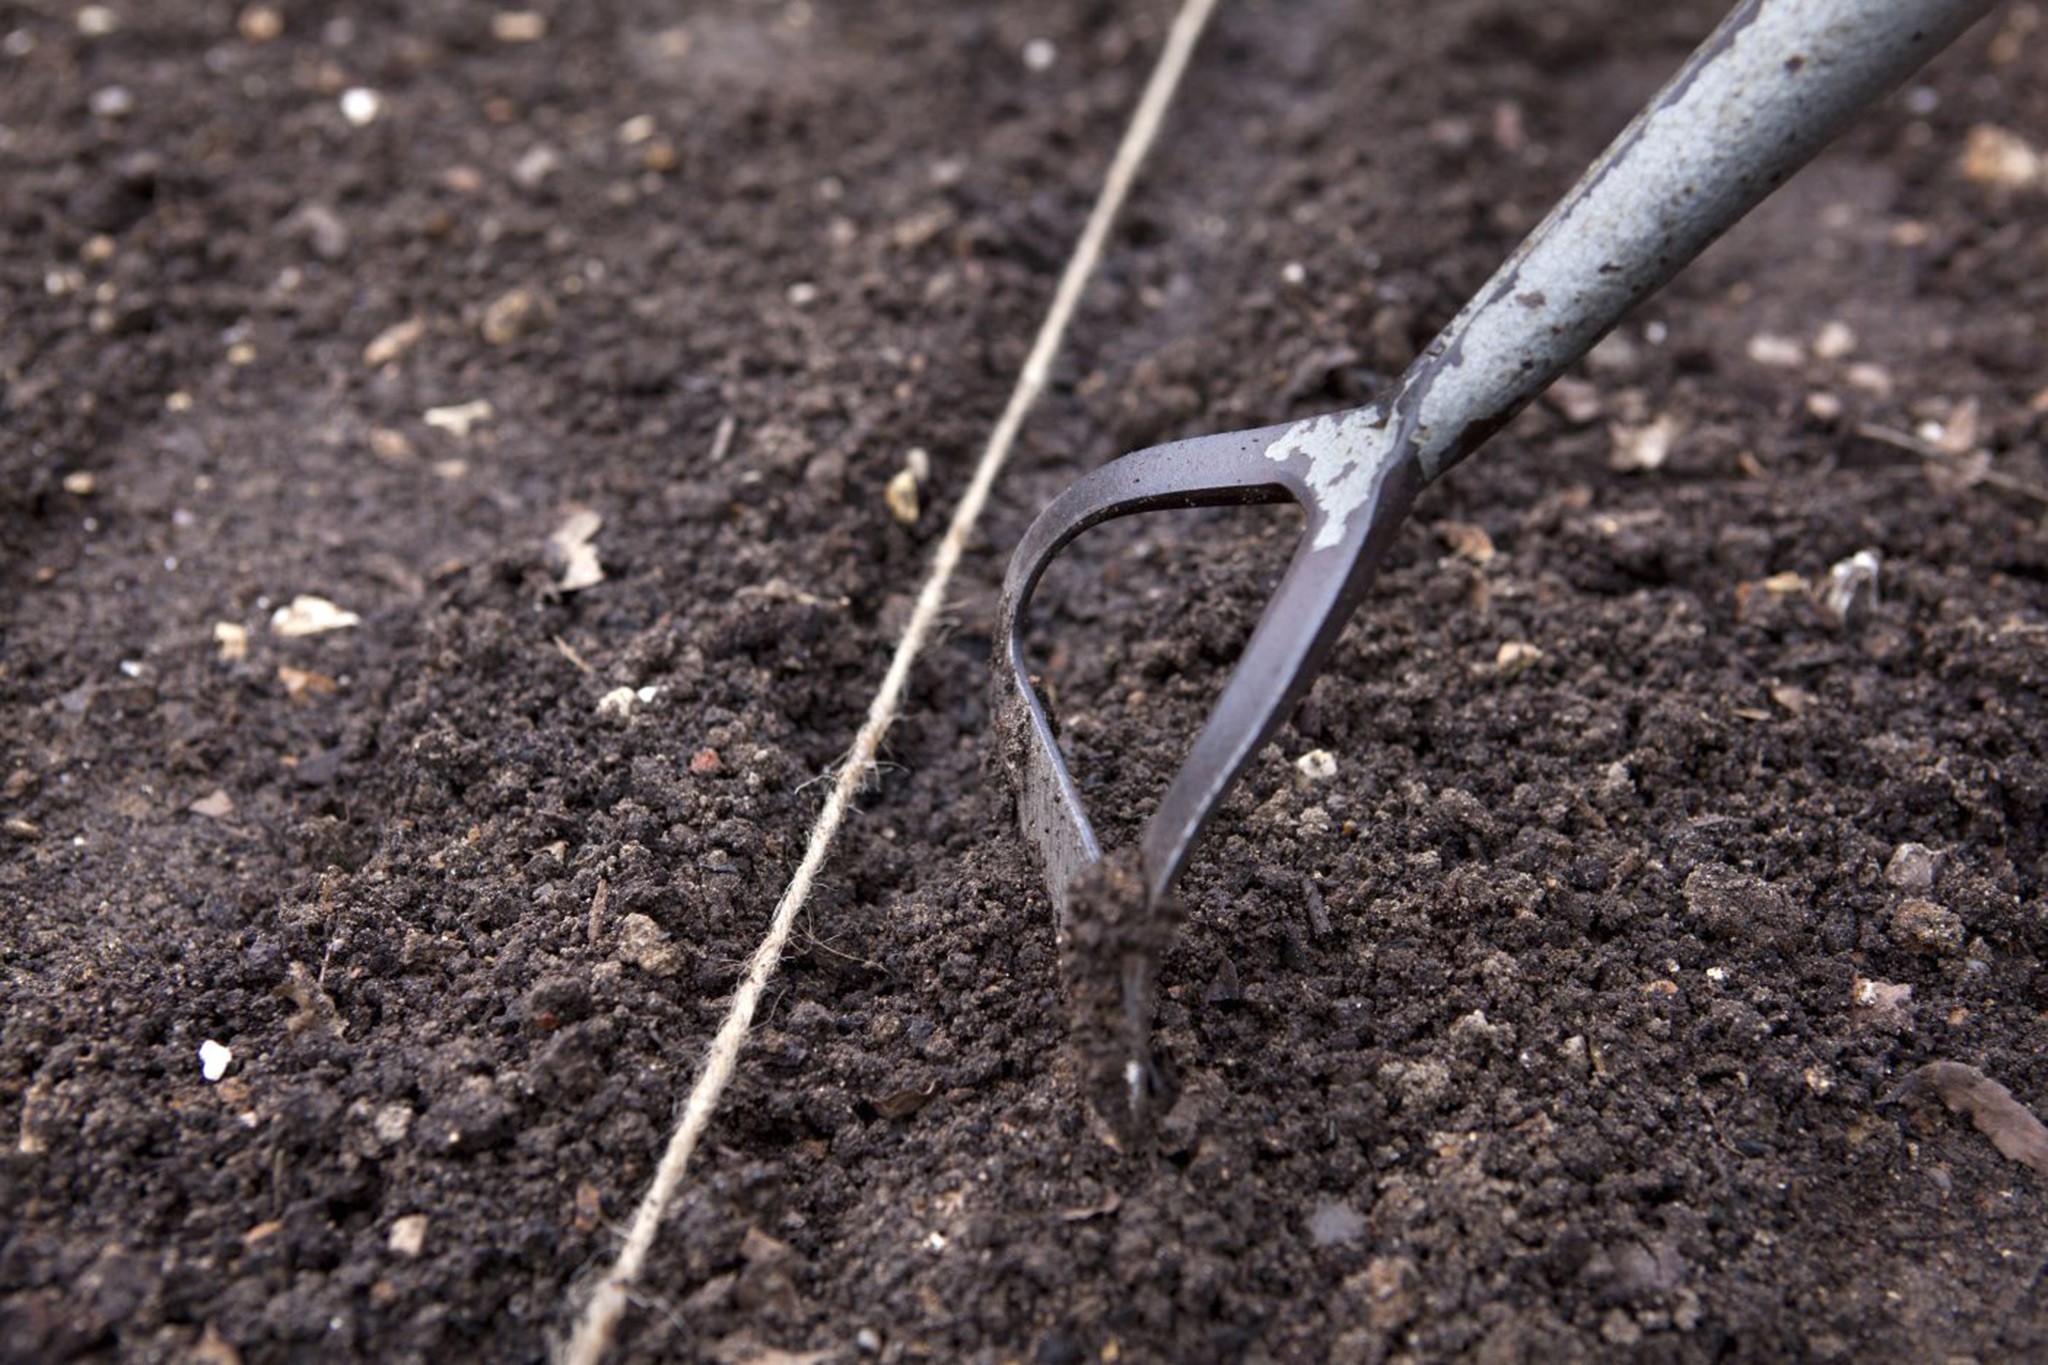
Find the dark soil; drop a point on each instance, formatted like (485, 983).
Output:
(1562, 1021)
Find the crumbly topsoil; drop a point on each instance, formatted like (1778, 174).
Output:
(1559, 1022)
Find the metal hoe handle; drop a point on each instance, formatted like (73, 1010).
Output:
(1769, 88)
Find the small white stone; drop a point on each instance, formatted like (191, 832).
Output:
(1851, 584)
(391, 1123)
(648, 946)
(571, 547)
(458, 418)
(1040, 54)
(901, 496)
(1778, 352)
(1912, 868)
(533, 168)
(519, 26)
(618, 702)
(1997, 157)
(309, 615)
(97, 21)
(1295, 273)
(394, 341)
(113, 102)
(1317, 765)
(260, 24)
(803, 294)
(1642, 447)
(409, 1235)
(361, 106)
(213, 1059)
(233, 640)
(1516, 656)
(1835, 340)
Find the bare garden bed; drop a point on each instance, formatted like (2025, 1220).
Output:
(1563, 1019)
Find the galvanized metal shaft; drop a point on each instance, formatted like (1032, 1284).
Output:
(1766, 90)
(1769, 88)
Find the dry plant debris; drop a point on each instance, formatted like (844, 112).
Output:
(306, 615)
(2011, 1126)
(570, 548)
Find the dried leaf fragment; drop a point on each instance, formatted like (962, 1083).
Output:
(316, 1008)
(1516, 657)
(409, 1235)
(1851, 586)
(1786, 584)
(901, 495)
(393, 342)
(514, 314)
(905, 1101)
(570, 547)
(458, 418)
(1466, 540)
(519, 26)
(309, 615)
(216, 805)
(2002, 159)
(2010, 1125)
(1776, 352)
(1642, 447)
(301, 683)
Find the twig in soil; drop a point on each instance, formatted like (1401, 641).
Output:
(721, 440)
(568, 651)
(1927, 450)
(600, 1317)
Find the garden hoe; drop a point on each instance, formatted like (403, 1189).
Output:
(1762, 94)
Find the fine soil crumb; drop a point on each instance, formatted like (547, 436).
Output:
(648, 946)
(1924, 927)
